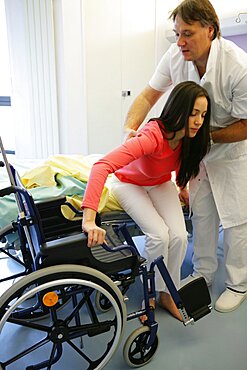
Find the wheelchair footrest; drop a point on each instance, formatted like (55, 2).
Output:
(196, 298)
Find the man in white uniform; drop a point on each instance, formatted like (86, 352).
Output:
(219, 193)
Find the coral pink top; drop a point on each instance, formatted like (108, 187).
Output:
(145, 160)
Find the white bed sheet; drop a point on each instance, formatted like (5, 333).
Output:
(21, 165)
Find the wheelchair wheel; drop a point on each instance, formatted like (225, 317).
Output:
(75, 328)
(134, 351)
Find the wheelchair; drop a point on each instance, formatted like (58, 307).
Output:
(72, 299)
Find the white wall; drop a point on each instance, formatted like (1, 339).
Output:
(229, 8)
(71, 76)
(98, 55)
(163, 23)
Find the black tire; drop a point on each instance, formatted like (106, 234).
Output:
(134, 351)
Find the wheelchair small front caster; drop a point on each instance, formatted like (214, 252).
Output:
(135, 352)
(102, 303)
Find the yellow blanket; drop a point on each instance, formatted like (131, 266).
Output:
(75, 166)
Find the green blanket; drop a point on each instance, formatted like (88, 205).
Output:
(65, 186)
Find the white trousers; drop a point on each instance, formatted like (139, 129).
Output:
(206, 233)
(157, 211)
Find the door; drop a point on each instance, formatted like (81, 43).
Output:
(120, 56)
(137, 48)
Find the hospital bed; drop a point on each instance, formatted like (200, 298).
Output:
(72, 296)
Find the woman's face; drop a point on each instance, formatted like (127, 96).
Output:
(197, 115)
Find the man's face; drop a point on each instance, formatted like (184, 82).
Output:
(193, 39)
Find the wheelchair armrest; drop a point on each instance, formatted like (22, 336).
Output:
(13, 190)
(7, 191)
(120, 248)
(128, 248)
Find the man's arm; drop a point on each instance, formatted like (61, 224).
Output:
(233, 133)
(140, 108)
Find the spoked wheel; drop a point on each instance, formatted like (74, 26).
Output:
(89, 339)
(135, 352)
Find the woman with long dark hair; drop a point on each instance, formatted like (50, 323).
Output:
(142, 166)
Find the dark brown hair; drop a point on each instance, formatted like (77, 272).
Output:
(175, 116)
(198, 10)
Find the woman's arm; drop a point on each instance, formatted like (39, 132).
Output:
(148, 141)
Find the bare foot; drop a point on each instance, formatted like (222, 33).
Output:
(143, 318)
(165, 301)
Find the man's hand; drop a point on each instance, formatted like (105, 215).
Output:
(129, 134)
(184, 196)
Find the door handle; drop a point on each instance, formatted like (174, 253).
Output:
(126, 93)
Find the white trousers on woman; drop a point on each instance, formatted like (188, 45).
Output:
(157, 211)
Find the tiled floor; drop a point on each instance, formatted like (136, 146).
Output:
(216, 342)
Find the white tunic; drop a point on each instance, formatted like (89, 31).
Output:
(226, 82)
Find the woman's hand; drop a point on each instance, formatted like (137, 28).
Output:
(184, 196)
(96, 235)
